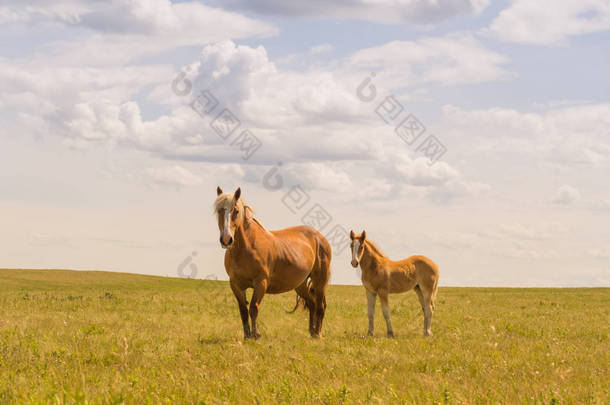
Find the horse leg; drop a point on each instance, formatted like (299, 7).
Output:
(385, 308)
(303, 292)
(312, 319)
(422, 301)
(316, 313)
(243, 308)
(257, 296)
(319, 281)
(320, 300)
(371, 298)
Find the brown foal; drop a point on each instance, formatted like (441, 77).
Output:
(382, 276)
(272, 262)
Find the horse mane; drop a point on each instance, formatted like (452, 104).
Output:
(374, 248)
(225, 201)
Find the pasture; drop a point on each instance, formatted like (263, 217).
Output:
(100, 337)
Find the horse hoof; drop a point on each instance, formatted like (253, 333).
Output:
(390, 334)
(370, 333)
(254, 336)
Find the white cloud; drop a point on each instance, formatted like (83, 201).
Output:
(601, 204)
(448, 60)
(321, 176)
(311, 118)
(569, 136)
(398, 175)
(385, 11)
(322, 48)
(63, 86)
(439, 182)
(302, 115)
(547, 22)
(566, 195)
(147, 17)
(305, 58)
(128, 29)
(418, 172)
(525, 251)
(173, 176)
(600, 253)
(520, 232)
(40, 11)
(232, 171)
(258, 92)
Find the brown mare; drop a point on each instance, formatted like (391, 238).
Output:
(272, 262)
(382, 276)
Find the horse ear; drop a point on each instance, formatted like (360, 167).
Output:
(363, 236)
(351, 235)
(237, 194)
(218, 190)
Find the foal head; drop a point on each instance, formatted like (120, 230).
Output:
(229, 210)
(357, 247)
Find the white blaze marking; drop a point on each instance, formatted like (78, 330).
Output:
(355, 250)
(227, 223)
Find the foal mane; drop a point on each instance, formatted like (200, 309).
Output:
(375, 248)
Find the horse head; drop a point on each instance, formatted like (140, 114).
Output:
(229, 209)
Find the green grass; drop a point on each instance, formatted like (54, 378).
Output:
(97, 337)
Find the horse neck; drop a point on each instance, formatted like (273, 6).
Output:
(371, 259)
(244, 233)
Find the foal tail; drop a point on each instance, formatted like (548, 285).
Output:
(433, 295)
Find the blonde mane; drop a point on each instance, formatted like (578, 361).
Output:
(375, 248)
(225, 201)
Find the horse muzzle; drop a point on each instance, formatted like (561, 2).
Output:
(226, 241)
(354, 263)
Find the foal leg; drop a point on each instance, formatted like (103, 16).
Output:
(243, 308)
(425, 298)
(422, 301)
(257, 296)
(428, 316)
(371, 297)
(385, 308)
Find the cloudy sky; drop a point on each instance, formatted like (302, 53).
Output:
(477, 134)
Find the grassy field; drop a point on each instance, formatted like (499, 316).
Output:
(97, 337)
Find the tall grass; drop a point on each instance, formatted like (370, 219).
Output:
(97, 337)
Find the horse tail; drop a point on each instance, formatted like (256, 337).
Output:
(299, 301)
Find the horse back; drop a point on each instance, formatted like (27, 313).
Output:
(300, 246)
(303, 232)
